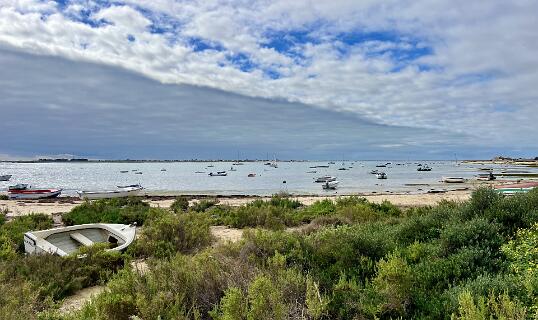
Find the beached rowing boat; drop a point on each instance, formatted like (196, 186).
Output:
(511, 189)
(65, 240)
(26, 192)
(122, 191)
(453, 179)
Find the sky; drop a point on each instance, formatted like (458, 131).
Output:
(300, 79)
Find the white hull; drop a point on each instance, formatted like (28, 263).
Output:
(125, 192)
(330, 185)
(34, 196)
(325, 179)
(65, 240)
(453, 180)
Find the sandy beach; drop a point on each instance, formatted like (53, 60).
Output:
(61, 205)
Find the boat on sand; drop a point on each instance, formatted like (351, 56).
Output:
(27, 192)
(453, 179)
(511, 189)
(122, 191)
(66, 240)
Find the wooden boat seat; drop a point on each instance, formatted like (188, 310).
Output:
(82, 239)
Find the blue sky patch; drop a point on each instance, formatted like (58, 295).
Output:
(241, 61)
(199, 44)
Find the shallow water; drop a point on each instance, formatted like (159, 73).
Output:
(180, 177)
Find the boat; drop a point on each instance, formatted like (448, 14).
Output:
(251, 175)
(313, 171)
(199, 171)
(122, 191)
(486, 177)
(267, 164)
(374, 172)
(322, 166)
(27, 192)
(124, 171)
(424, 168)
(330, 185)
(381, 166)
(66, 240)
(163, 169)
(511, 189)
(237, 164)
(453, 179)
(343, 168)
(5, 177)
(274, 163)
(218, 174)
(381, 175)
(332, 162)
(325, 179)
(138, 172)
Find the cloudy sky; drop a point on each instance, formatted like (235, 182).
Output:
(316, 79)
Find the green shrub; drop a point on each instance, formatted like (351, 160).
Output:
(473, 233)
(12, 232)
(4, 197)
(492, 307)
(180, 204)
(203, 205)
(115, 210)
(166, 233)
(265, 300)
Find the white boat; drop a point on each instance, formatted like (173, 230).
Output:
(381, 175)
(274, 163)
(27, 192)
(424, 168)
(486, 177)
(325, 179)
(453, 179)
(122, 191)
(5, 177)
(218, 174)
(233, 169)
(65, 240)
(330, 185)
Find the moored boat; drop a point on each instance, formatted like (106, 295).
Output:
(328, 185)
(486, 177)
(122, 191)
(325, 179)
(453, 179)
(65, 240)
(218, 174)
(424, 168)
(26, 192)
(251, 175)
(381, 175)
(5, 177)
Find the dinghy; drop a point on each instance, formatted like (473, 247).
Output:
(26, 192)
(65, 240)
(123, 191)
(453, 179)
(511, 189)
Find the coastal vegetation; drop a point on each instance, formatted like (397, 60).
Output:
(343, 259)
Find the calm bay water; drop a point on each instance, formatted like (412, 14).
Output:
(180, 177)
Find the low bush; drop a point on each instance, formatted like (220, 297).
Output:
(12, 232)
(166, 233)
(115, 210)
(203, 205)
(4, 197)
(180, 204)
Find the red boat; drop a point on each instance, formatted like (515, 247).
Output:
(24, 191)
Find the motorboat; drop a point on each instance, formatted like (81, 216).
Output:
(381, 166)
(511, 189)
(5, 177)
(486, 176)
(374, 172)
(163, 169)
(218, 174)
(332, 162)
(453, 179)
(138, 172)
(381, 175)
(27, 192)
(424, 168)
(343, 168)
(66, 240)
(251, 175)
(325, 179)
(330, 185)
(122, 191)
(124, 171)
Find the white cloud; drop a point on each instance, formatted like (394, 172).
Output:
(484, 66)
